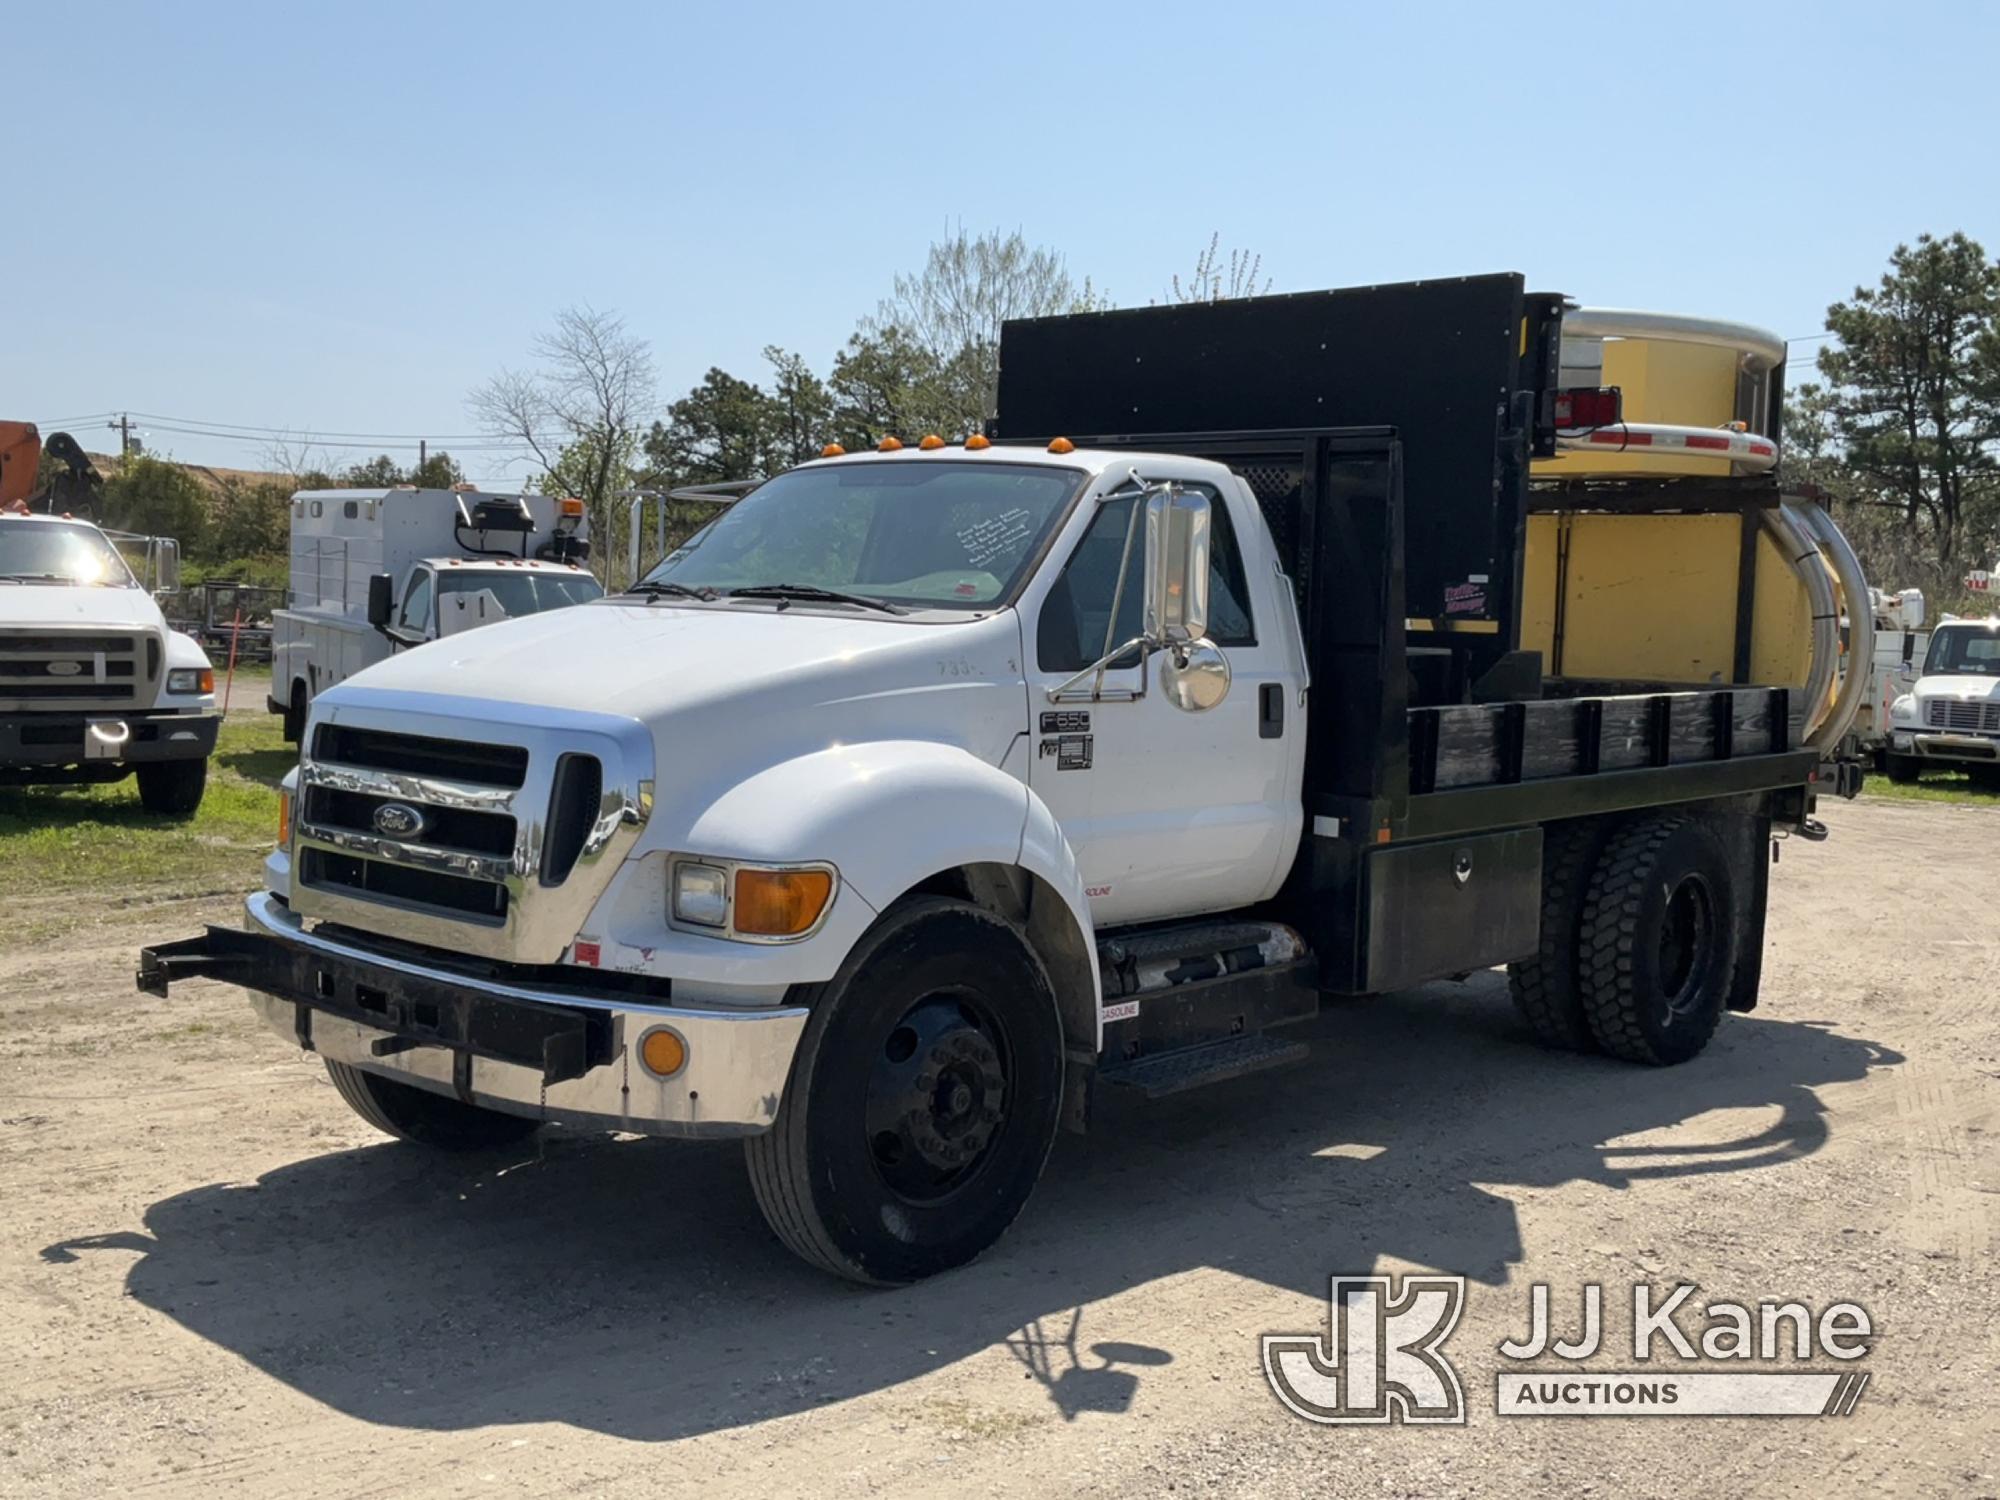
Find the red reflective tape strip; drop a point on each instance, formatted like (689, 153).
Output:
(1708, 442)
(1623, 439)
(1762, 450)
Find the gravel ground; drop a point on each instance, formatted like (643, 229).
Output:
(214, 1278)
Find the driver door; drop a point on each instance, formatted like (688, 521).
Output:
(1169, 812)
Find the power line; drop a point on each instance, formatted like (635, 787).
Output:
(303, 433)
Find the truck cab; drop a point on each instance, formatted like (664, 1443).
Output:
(933, 787)
(94, 686)
(1950, 718)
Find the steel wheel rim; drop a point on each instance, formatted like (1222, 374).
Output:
(937, 1097)
(1687, 933)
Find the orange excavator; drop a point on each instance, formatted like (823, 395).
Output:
(74, 490)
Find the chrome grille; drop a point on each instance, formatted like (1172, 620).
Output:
(432, 831)
(1965, 716)
(64, 670)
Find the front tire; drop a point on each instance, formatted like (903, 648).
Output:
(1903, 769)
(1658, 941)
(923, 1100)
(423, 1118)
(295, 714)
(172, 787)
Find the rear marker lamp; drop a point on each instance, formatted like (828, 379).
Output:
(1584, 406)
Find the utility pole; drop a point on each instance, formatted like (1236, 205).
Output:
(423, 454)
(123, 427)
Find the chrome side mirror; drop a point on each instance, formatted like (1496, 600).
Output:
(1176, 567)
(1194, 674)
(168, 566)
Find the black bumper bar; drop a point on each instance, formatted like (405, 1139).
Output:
(417, 1010)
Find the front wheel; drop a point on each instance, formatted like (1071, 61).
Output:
(173, 787)
(1903, 769)
(923, 1100)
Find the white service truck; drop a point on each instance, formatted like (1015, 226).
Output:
(377, 571)
(93, 685)
(931, 787)
(1950, 717)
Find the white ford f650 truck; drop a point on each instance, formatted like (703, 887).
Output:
(93, 685)
(1950, 718)
(930, 788)
(378, 571)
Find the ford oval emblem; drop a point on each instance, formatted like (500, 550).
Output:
(65, 669)
(398, 820)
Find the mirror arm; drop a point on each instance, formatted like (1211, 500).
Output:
(1138, 642)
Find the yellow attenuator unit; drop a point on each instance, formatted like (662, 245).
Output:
(1654, 598)
(1661, 380)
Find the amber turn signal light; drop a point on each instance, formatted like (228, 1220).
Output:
(284, 821)
(780, 903)
(663, 1052)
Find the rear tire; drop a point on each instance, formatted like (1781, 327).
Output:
(1545, 987)
(923, 1100)
(1658, 941)
(295, 714)
(1903, 769)
(423, 1118)
(172, 787)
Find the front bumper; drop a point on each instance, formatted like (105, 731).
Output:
(1964, 748)
(105, 739)
(546, 1050)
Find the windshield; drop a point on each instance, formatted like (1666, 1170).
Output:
(1964, 653)
(525, 592)
(934, 535)
(51, 552)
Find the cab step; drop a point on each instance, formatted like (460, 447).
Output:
(1186, 1068)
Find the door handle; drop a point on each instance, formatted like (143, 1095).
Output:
(1270, 710)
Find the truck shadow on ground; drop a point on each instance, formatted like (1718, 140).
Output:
(630, 1287)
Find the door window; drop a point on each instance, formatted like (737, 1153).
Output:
(1071, 633)
(417, 602)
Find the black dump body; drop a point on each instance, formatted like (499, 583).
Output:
(1387, 433)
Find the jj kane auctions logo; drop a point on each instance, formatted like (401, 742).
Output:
(1381, 1358)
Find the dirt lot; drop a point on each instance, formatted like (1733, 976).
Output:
(214, 1279)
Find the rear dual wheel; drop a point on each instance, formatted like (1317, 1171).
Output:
(1639, 940)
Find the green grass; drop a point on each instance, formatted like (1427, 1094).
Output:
(55, 839)
(1935, 786)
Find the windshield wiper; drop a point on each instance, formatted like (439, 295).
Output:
(658, 588)
(787, 591)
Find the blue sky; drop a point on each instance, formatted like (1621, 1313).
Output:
(340, 218)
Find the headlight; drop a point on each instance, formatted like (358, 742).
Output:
(1904, 708)
(753, 903)
(191, 680)
(701, 895)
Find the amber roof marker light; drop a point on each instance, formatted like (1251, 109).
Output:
(889, 445)
(978, 443)
(832, 450)
(931, 442)
(1061, 445)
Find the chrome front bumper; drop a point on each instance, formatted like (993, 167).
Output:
(441, 1030)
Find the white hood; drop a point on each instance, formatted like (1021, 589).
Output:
(739, 677)
(61, 604)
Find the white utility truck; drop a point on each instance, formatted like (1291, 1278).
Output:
(1950, 718)
(93, 685)
(1900, 643)
(376, 571)
(929, 788)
